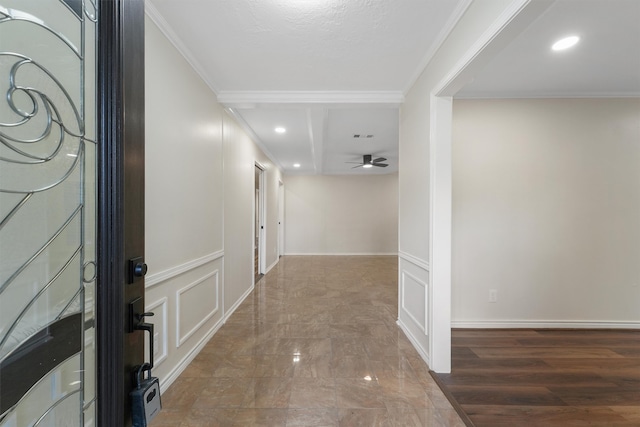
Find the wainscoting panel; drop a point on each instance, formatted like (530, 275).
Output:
(413, 294)
(196, 303)
(188, 302)
(414, 299)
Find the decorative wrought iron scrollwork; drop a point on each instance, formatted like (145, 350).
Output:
(43, 155)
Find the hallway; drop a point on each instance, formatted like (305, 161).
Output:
(315, 344)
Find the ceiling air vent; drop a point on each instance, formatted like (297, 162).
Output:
(362, 136)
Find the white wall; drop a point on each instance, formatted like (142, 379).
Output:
(341, 214)
(199, 207)
(546, 210)
(416, 132)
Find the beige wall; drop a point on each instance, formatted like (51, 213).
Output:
(199, 207)
(240, 156)
(546, 210)
(183, 158)
(415, 127)
(419, 307)
(341, 214)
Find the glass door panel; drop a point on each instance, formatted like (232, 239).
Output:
(47, 212)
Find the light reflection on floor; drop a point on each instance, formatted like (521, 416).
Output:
(315, 344)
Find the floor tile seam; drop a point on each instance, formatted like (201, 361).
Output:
(292, 381)
(333, 372)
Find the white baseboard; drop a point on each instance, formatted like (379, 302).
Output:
(345, 254)
(166, 382)
(233, 308)
(541, 324)
(272, 265)
(173, 375)
(416, 344)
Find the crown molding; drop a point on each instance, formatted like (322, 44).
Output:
(545, 95)
(249, 99)
(459, 11)
(164, 27)
(254, 137)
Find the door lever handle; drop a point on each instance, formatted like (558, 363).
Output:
(142, 326)
(143, 315)
(137, 323)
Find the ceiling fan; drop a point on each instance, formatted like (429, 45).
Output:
(368, 163)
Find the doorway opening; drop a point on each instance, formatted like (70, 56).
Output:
(280, 219)
(258, 234)
(518, 16)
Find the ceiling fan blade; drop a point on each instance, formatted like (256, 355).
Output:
(379, 159)
(359, 166)
(355, 163)
(380, 165)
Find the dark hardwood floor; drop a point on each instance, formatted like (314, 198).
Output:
(545, 377)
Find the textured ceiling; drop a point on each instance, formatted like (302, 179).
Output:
(308, 45)
(328, 69)
(323, 69)
(606, 61)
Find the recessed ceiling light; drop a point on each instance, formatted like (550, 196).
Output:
(565, 43)
(280, 129)
(296, 165)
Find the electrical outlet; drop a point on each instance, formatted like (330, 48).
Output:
(493, 295)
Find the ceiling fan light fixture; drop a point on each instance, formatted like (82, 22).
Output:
(368, 162)
(565, 43)
(296, 165)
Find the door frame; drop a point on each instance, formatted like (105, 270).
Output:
(280, 238)
(515, 19)
(120, 196)
(259, 212)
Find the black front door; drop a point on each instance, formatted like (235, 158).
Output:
(71, 209)
(121, 190)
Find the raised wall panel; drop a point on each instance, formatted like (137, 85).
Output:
(414, 296)
(196, 303)
(413, 302)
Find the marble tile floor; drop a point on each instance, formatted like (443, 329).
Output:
(315, 344)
